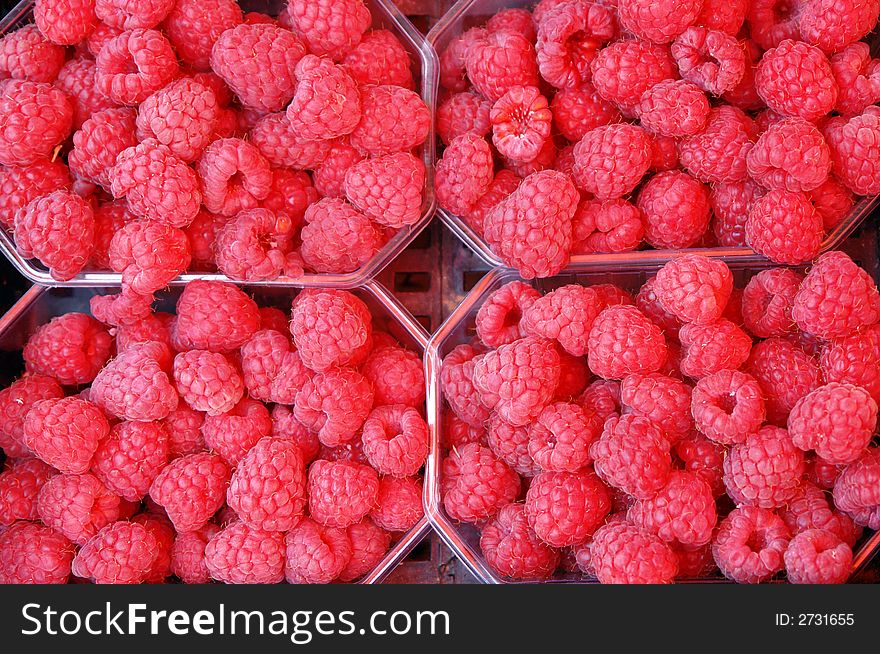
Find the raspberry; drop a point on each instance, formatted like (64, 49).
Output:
(291, 194)
(161, 529)
(77, 79)
(20, 486)
(215, 316)
(315, 553)
(602, 398)
(718, 153)
(234, 176)
(764, 470)
(821, 473)
(65, 22)
(398, 503)
(149, 255)
(271, 370)
(110, 217)
(728, 406)
(380, 58)
(64, 432)
(857, 77)
(184, 427)
(767, 301)
(193, 26)
(662, 400)
(854, 155)
(531, 229)
(564, 508)
(240, 554)
(277, 142)
(499, 61)
(817, 556)
(855, 490)
(387, 189)
(810, 93)
(341, 492)
(334, 404)
(457, 433)
(511, 445)
(253, 246)
(836, 420)
(258, 64)
(649, 304)
(233, 434)
(750, 544)
(723, 15)
(130, 457)
(560, 437)
(135, 64)
(694, 288)
(453, 59)
(521, 121)
(457, 384)
(337, 238)
(622, 553)
(393, 119)
(369, 544)
(683, 511)
(836, 298)
(834, 25)
(463, 113)
(286, 426)
(573, 376)
(703, 458)
(624, 70)
(623, 341)
(785, 373)
(546, 159)
(790, 155)
(327, 102)
(513, 550)
(810, 509)
(188, 555)
(329, 28)
(832, 202)
(851, 360)
(607, 226)
(731, 204)
(33, 554)
(475, 484)
(26, 54)
(395, 440)
(565, 315)
(207, 381)
(659, 22)
(182, 116)
(464, 173)
(72, 348)
(135, 386)
(331, 328)
(329, 173)
(120, 553)
(128, 14)
(20, 185)
(713, 60)
(77, 506)
(576, 111)
(569, 39)
(772, 21)
(396, 375)
(627, 146)
(15, 402)
(720, 345)
(633, 455)
(505, 183)
(676, 209)
(98, 143)
(674, 108)
(785, 227)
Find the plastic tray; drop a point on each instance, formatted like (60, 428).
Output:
(386, 15)
(40, 304)
(471, 13)
(459, 328)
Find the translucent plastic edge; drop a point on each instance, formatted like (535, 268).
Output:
(430, 76)
(446, 528)
(394, 310)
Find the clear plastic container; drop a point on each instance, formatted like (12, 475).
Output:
(40, 304)
(459, 328)
(472, 13)
(386, 15)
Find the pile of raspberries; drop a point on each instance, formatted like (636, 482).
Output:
(156, 137)
(686, 428)
(225, 442)
(597, 126)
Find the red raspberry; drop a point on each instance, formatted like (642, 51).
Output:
(380, 58)
(521, 121)
(576, 111)
(628, 146)
(713, 60)
(683, 511)
(182, 116)
(785, 227)
(695, 562)
(565, 315)
(676, 209)
(33, 554)
(125, 308)
(674, 108)
(622, 553)
(728, 406)
(234, 176)
(77, 79)
(475, 485)
(240, 554)
(120, 553)
(387, 189)
(854, 153)
(161, 529)
(457, 384)
(546, 159)
(464, 173)
(341, 492)
(331, 328)
(135, 386)
(767, 301)
(398, 503)
(607, 226)
(809, 93)
(622, 342)
(569, 38)
(395, 440)
(129, 14)
(498, 61)
(649, 304)
(15, 402)
(505, 183)
(513, 550)
(463, 113)
(771, 21)
(694, 288)
(564, 508)
(749, 545)
(110, 217)
(135, 64)
(704, 458)
(723, 15)
(836, 298)
(511, 445)
(329, 174)
(836, 420)
(193, 26)
(624, 70)
(65, 22)
(337, 238)
(393, 119)
(274, 318)
(26, 54)
(233, 434)
(149, 255)
(19, 185)
(810, 509)
(329, 28)
(207, 381)
(602, 398)
(64, 432)
(396, 375)
(720, 345)
(662, 400)
(272, 371)
(99, 37)
(832, 202)
(20, 487)
(457, 433)
(291, 194)
(334, 404)
(77, 506)
(214, 316)
(453, 59)
(531, 229)
(98, 143)
(786, 374)
(855, 490)
(817, 556)
(258, 64)
(327, 102)
(857, 77)
(731, 204)
(834, 25)
(633, 455)
(659, 22)
(184, 427)
(254, 245)
(573, 376)
(790, 155)
(315, 553)
(277, 142)
(188, 555)
(852, 360)
(718, 153)
(560, 437)
(131, 457)
(72, 348)
(764, 470)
